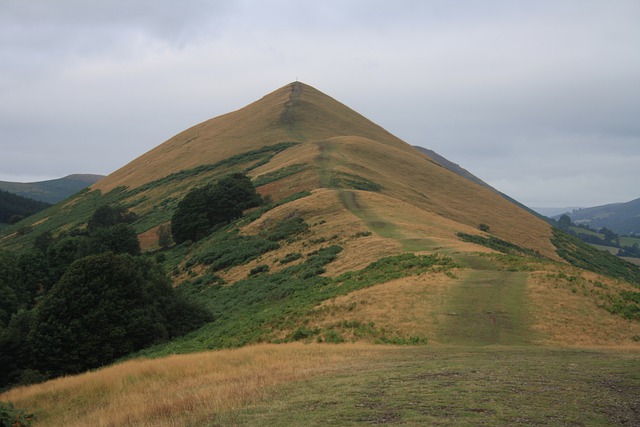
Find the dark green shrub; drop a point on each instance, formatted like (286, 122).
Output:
(290, 257)
(108, 216)
(498, 244)
(287, 229)
(204, 208)
(262, 268)
(10, 416)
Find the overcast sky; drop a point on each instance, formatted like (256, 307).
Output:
(541, 99)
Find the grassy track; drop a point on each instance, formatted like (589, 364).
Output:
(462, 386)
(381, 227)
(487, 307)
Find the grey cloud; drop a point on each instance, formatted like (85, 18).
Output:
(495, 86)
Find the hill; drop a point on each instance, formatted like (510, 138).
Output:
(360, 238)
(622, 218)
(51, 191)
(14, 207)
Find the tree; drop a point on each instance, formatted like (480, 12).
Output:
(207, 207)
(119, 239)
(564, 222)
(164, 236)
(108, 216)
(231, 196)
(106, 306)
(609, 236)
(190, 221)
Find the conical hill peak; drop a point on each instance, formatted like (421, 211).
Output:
(295, 112)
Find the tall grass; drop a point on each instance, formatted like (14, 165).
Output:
(189, 389)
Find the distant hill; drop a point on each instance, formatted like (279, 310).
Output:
(13, 207)
(554, 212)
(51, 191)
(621, 218)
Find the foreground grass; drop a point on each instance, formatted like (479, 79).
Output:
(461, 386)
(297, 384)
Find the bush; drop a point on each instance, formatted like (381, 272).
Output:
(290, 257)
(10, 416)
(262, 268)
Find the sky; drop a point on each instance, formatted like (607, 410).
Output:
(540, 99)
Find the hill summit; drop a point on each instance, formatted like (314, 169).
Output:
(331, 147)
(361, 236)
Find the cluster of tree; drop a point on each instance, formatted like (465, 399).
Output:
(204, 209)
(13, 208)
(603, 236)
(632, 251)
(82, 300)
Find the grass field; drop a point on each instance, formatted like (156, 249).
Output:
(348, 384)
(462, 386)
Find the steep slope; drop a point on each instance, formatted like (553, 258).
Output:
(362, 238)
(296, 112)
(347, 202)
(330, 146)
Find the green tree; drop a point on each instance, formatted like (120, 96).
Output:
(9, 276)
(106, 306)
(206, 207)
(164, 236)
(564, 222)
(119, 239)
(108, 216)
(190, 221)
(609, 236)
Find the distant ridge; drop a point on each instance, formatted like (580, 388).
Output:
(622, 218)
(51, 191)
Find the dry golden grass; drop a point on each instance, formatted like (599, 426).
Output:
(149, 239)
(567, 313)
(295, 112)
(410, 177)
(331, 222)
(411, 306)
(335, 138)
(179, 390)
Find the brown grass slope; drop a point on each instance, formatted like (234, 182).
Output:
(338, 144)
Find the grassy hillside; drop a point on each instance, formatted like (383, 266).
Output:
(361, 239)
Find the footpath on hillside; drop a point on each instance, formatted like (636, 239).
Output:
(487, 307)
